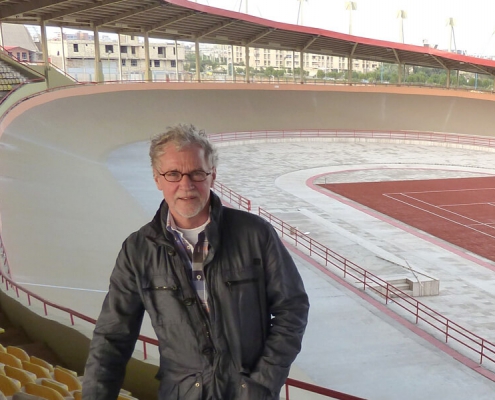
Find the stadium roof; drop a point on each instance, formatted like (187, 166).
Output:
(187, 21)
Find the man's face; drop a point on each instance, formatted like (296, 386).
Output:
(188, 201)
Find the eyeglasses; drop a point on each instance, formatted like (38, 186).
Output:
(176, 176)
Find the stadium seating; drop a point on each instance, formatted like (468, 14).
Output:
(9, 386)
(41, 362)
(59, 387)
(24, 376)
(39, 371)
(21, 375)
(18, 352)
(45, 392)
(9, 359)
(63, 376)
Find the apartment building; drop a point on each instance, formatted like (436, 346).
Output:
(259, 57)
(124, 60)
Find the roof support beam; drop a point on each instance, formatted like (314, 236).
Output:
(248, 70)
(127, 14)
(44, 47)
(397, 58)
(254, 39)
(301, 69)
(439, 61)
(147, 70)
(480, 69)
(98, 69)
(75, 10)
(353, 49)
(215, 28)
(27, 6)
(310, 42)
(198, 62)
(170, 21)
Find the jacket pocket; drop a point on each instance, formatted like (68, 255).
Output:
(235, 279)
(189, 388)
(161, 295)
(250, 390)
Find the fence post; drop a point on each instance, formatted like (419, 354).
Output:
(447, 332)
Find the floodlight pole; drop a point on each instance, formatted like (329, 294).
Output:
(402, 15)
(350, 6)
(300, 12)
(451, 23)
(198, 62)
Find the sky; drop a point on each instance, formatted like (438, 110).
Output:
(474, 20)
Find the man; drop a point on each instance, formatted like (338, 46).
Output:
(225, 299)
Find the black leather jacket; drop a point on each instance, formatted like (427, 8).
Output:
(242, 350)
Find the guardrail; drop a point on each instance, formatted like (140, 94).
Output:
(368, 281)
(482, 141)
(234, 198)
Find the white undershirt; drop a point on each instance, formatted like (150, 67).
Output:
(191, 235)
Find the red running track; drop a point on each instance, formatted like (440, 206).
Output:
(460, 211)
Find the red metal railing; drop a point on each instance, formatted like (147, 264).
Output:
(444, 327)
(234, 198)
(467, 140)
(317, 389)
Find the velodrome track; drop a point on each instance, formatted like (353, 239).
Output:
(75, 181)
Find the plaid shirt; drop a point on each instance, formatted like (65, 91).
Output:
(193, 258)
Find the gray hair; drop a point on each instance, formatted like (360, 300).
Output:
(182, 136)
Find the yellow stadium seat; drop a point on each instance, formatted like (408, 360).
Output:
(41, 362)
(18, 352)
(9, 386)
(3, 349)
(67, 370)
(39, 371)
(43, 391)
(9, 359)
(22, 376)
(58, 386)
(62, 376)
(77, 394)
(123, 396)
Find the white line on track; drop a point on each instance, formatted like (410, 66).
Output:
(447, 190)
(462, 204)
(440, 216)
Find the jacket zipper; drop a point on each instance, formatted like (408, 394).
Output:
(231, 283)
(165, 287)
